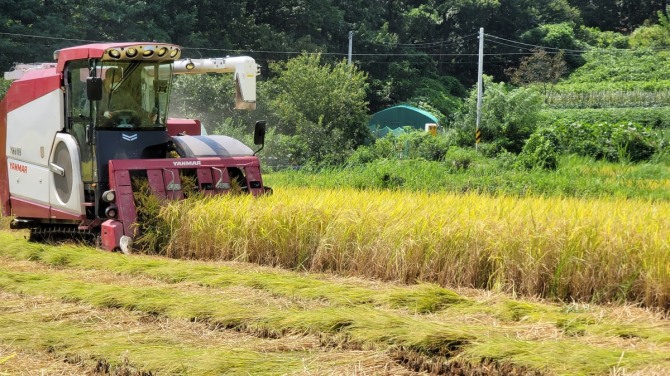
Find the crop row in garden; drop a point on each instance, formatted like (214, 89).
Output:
(570, 249)
(652, 117)
(595, 98)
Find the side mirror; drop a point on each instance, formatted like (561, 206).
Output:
(259, 132)
(94, 88)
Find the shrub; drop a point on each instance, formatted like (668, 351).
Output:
(509, 116)
(541, 151)
(602, 39)
(618, 142)
(561, 35)
(4, 86)
(410, 145)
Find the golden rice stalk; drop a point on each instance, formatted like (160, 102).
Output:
(588, 250)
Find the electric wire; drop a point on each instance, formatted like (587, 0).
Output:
(490, 39)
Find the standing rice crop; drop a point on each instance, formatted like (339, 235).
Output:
(572, 249)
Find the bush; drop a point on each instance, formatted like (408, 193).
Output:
(541, 151)
(602, 39)
(561, 36)
(509, 116)
(652, 36)
(4, 86)
(410, 145)
(620, 142)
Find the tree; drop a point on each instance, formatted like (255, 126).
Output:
(320, 108)
(539, 68)
(509, 116)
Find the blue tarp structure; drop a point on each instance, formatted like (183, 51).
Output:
(394, 119)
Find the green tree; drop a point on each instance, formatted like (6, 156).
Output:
(558, 36)
(539, 68)
(508, 117)
(320, 108)
(619, 15)
(652, 36)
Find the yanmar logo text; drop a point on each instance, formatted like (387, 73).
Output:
(18, 167)
(186, 163)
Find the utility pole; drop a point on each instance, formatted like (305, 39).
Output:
(351, 42)
(480, 85)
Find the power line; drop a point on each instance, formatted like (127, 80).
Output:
(491, 38)
(422, 44)
(534, 46)
(47, 37)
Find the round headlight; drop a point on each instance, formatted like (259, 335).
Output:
(114, 54)
(190, 65)
(162, 51)
(147, 53)
(131, 52)
(109, 196)
(111, 212)
(174, 53)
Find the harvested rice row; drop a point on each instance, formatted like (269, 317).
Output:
(531, 336)
(48, 336)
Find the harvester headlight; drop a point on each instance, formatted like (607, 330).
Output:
(114, 54)
(111, 212)
(148, 53)
(131, 52)
(162, 51)
(190, 65)
(174, 53)
(109, 196)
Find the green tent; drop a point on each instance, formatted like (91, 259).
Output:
(394, 119)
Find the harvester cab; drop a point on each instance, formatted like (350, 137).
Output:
(80, 132)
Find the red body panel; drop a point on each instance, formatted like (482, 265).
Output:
(4, 176)
(32, 85)
(189, 127)
(95, 50)
(28, 209)
(111, 232)
(24, 208)
(59, 214)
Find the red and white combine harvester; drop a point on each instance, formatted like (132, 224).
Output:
(79, 132)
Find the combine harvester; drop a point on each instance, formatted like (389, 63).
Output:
(79, 132)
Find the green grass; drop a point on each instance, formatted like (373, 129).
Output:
(575, 177)
(425, 319)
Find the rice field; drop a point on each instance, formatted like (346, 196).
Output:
(568, 249)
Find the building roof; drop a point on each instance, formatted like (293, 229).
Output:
(394, 119)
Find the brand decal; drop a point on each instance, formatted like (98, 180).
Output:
(129, 137)
(18, 167)
(186, 163)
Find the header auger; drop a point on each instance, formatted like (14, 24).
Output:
(80, 131)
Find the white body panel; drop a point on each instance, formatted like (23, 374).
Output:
(32, 127)
(28, 181)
